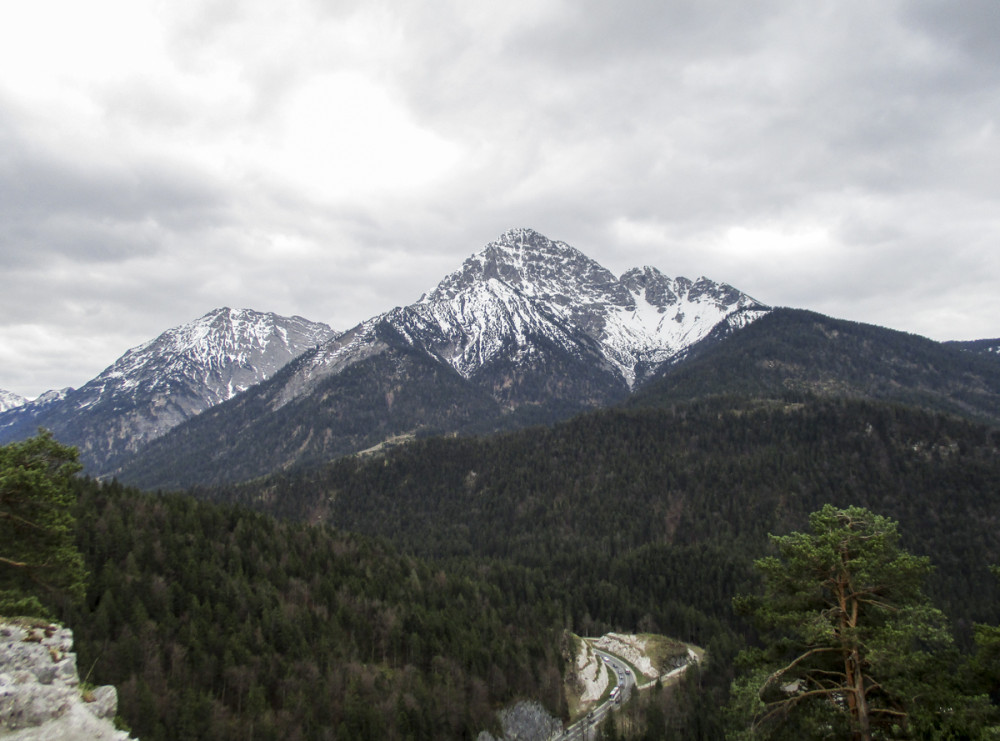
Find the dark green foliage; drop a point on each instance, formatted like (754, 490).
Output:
(650, 519)
(655, 515)
(986, 661)
(851, 643)
(39, 562)
(218, 623)
(795, 351)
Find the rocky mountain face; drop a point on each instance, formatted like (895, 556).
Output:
(10, 400)
(528, 330)
(526, 306)
(166, 381)
(636, 322)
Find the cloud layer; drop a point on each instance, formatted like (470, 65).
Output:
(158, 160)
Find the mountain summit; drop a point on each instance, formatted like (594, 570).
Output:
(524, 289)
(10, 400)
(221, 354)
(528, 330)
(536, 266)
(637, 322)
(165, 381)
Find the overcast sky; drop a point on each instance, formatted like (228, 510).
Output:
(162, 158)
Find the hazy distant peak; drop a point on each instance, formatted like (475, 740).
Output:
(10, 400)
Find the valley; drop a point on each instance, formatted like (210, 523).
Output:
(416, 519)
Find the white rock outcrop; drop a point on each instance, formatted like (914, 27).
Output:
(525, 721)
(40, 695)
(631, 648)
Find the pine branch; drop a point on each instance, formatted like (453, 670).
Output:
(21, 520)
(774, 676)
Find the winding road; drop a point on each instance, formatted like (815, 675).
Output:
(586, 728)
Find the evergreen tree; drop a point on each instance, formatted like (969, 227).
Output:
(39, 561)
(985, 663)
(853, 648)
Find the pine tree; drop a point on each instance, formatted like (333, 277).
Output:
(39, 561)
(853, 648)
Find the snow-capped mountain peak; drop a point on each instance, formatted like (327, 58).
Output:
(227, 350)
(536, 266)
(159, 384)
(638, 321)
(10, 400)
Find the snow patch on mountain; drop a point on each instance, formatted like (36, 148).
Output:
(525, 281)
(163, 382)
(10, 400)
(523, 290)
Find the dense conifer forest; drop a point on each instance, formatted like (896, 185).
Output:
(652, 516)
(216, 622)
(649, 519)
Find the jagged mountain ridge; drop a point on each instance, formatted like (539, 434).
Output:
(528, 330)
(525, 285)
(640, 320)
(163, 382)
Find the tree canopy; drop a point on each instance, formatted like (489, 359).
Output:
(39, 561)
(853, 649)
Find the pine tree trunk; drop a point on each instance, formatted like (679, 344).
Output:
(861, 714)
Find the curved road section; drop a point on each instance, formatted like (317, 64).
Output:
(586, 728)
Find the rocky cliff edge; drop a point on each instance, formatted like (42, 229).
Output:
(40, 694)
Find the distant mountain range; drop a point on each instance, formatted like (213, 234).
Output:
(527, 331)
(164, 382)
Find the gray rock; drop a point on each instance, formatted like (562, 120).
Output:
(525, 721)
(40, 697)
(65, 670)
(103, 702)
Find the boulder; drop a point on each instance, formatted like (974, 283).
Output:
(40, 695)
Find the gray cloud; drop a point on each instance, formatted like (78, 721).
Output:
(839, 156)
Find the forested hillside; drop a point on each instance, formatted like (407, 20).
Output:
(791, 350)
(470, 557)
(219, 623)
(650, 517)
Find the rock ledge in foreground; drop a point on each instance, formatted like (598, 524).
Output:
(40, 696)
